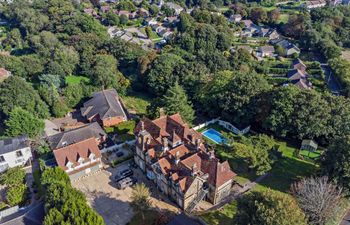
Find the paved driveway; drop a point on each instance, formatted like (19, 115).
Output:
(113, 204)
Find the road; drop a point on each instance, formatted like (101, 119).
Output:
(332, 82)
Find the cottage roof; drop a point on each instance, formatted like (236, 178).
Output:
(309, 142)
(105, 104)
(13, 144)
(267, 49)
(76, 135)
(296, 74)
(74, 153)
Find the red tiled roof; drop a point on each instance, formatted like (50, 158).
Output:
(4, 73)
(73, 152)
(182, 151)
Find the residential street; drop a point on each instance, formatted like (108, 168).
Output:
(332, 83)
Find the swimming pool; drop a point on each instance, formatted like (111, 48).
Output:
(215, 136)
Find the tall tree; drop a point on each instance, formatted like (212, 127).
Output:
(269, 208)
(140, 201)
(175, 101)
(16, 92)
(22, 122)
(106, 74)
(317, 197)
(335, 163)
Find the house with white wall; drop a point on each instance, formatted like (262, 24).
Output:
(14, 152)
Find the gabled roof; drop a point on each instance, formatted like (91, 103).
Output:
(267, 48)
(76, 135)
(72, 153)
(296, 74)
(297, 63)
(302, 83)
(4, 73)
(103, 103)
(165, 127)
(13, 144)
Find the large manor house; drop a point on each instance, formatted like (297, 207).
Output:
(175, 158)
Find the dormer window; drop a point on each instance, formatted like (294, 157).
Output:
(64, 143)
(69, 164)
(80, 160)
(91, 155)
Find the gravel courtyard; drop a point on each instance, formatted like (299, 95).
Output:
(113, 204)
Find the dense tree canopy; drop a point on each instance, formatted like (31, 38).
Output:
(16, 92)
(65, 204)
(335, 163)
(269, 208)
(22, 122)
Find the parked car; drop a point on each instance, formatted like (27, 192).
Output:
(126, 182)
(123, 174)
(120, 154)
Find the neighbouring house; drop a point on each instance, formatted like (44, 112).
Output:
(296, 74)
(302, 83)
(4, 74)
(171, 20)
(249, 29)
(298, 64)
(143, 13)
(69, 137)
(151, 21)
(105, 8)
(91, 12)
(314, 4)
(80, 158)
(14, 152)
(299, 78)
(174, 157)
(167, 35)
(235, 18)
(105, 108)
(178, 9)
(288, 48)
(124, 12)
(266, 51)
(272, 34)
(247, 23)
(262, 32)
(309, 145)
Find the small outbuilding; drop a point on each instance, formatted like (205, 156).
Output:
(309, 145)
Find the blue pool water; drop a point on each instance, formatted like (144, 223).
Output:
(215, 136)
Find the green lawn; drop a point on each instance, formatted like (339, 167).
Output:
(137, 102)
(287, 170)
(221, 217)
(76, 79)
(125, 130)
(283, 173)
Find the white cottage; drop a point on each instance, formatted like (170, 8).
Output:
(14, 152)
